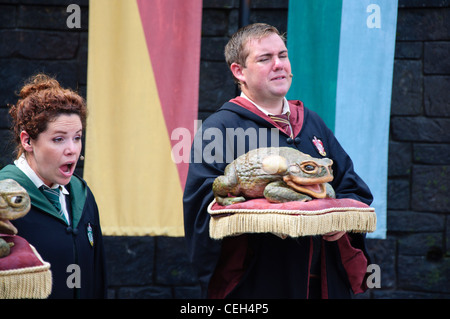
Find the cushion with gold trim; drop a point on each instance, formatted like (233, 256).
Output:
(295, 218)
(23, 273)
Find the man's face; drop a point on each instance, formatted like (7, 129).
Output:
(266, 76)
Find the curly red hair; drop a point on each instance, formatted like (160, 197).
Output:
(42, 100)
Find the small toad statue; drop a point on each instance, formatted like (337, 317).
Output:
(14, 203)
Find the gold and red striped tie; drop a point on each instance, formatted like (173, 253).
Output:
(283, 121)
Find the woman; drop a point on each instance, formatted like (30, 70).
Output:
(63, 222)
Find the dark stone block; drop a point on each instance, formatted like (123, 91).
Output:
(56, 2)
(38, 44)
(214, 22)
(423, 3)
(264, 4)
(7, 16)
(418, 273)
(408, 50)
(420, 129)
(437, 95)
(8, 43)
(213, 49)
(144, 293)
(407, 88)
(419, 244)
(5, 119)
(382, 252)
(399, 294)
(431, 186)
(447, 235)
(399, 163)
(423, 25)
(437, 154)
(129, 260)
(172, 265)
(7, 147)
(47, 45)
(409, 221)
(216, 86)
(49, 18)
(276, 17)
(111, 294)
(187, 292)
(220, 4)
(398, 194)
(233, 22)
(82, 61)
(14, 72)
(437, 57)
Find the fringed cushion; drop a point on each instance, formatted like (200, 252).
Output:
(295, 219)
(23, 273)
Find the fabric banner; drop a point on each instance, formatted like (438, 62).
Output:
(143, 75)
(342, 56)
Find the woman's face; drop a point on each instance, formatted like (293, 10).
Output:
(53, 155)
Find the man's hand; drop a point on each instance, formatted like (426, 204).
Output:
(333, 235)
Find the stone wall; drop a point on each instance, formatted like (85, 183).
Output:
(34, 38)
(414, 258)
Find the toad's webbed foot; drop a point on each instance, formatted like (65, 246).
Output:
(279, 192)
(225, 201)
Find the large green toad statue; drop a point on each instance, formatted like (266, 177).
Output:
(280, 174)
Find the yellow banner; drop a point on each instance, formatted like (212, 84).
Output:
(128, 161)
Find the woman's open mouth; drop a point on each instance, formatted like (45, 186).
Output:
(67, 169)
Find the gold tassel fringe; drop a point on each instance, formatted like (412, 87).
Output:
(26, 283)
(292, 223)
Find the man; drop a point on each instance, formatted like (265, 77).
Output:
(265, 265)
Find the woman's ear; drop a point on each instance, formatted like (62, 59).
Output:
(25, 140)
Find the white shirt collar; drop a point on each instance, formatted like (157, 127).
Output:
(23, 165)
(286, 108)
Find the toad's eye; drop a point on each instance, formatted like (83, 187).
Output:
(16, 199)
(309, 168)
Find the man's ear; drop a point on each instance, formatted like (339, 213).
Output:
(25, 140)
(237, 71)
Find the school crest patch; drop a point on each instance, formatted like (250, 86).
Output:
(319, 145)
(90, 235)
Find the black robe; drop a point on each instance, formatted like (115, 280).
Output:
(264, 265)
